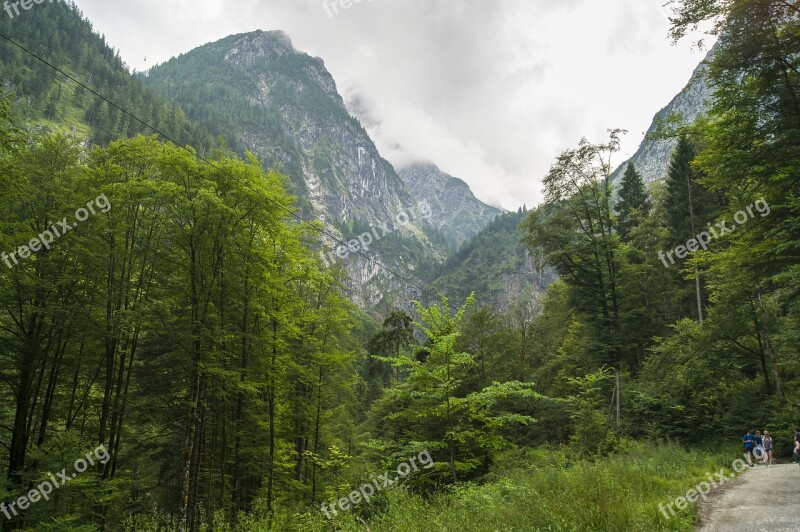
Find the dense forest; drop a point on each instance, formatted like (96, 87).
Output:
(166, 305)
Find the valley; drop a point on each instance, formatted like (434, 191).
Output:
(302, 298)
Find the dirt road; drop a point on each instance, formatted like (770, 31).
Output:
(763, 498)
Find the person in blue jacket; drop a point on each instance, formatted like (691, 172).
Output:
(758, 452)
(749, 444)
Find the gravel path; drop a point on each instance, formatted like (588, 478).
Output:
(763, 498)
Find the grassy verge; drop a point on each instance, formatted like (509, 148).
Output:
(540, 490)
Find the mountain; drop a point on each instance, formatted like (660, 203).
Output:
(495, 265)
(457, 213)
(264, 96)
(653, 156)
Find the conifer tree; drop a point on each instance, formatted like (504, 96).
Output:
(689, 204)
(634, 203)
(687, 200)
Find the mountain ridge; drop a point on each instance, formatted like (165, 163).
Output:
(653, 155)
(460, 215)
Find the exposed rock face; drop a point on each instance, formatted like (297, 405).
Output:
(264, 96)
(326, 151)
(652, 158)
(457, 213)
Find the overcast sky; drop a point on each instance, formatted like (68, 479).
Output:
(489, 90)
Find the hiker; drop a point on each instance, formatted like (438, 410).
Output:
(749, 443)
(797, 451)
(768, 447)
(758, 451)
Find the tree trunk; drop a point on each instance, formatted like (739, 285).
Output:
(770, 349)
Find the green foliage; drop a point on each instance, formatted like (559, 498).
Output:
(58, 32)
(384, 350)
(736, 368)
(573, 232)
(735, 372)
(689, 205)
(435, 409)
(634, 204)
(193, 289)
(591, 436)
(545, 490)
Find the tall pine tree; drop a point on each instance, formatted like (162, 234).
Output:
(634, 203)
(689, 205)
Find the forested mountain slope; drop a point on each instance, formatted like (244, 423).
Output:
(495, 265)
(58, 33)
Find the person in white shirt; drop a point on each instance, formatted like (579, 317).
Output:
(768, 447)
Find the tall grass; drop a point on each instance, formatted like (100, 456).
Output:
(538, 490)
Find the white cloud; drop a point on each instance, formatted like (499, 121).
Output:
(489, 91)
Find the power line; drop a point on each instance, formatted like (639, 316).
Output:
(211, 164)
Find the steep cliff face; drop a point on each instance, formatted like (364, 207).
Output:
(264, 96)
(653, 156)
(456, 212)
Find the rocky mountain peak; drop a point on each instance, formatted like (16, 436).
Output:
(457, 212)
(271, 54)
